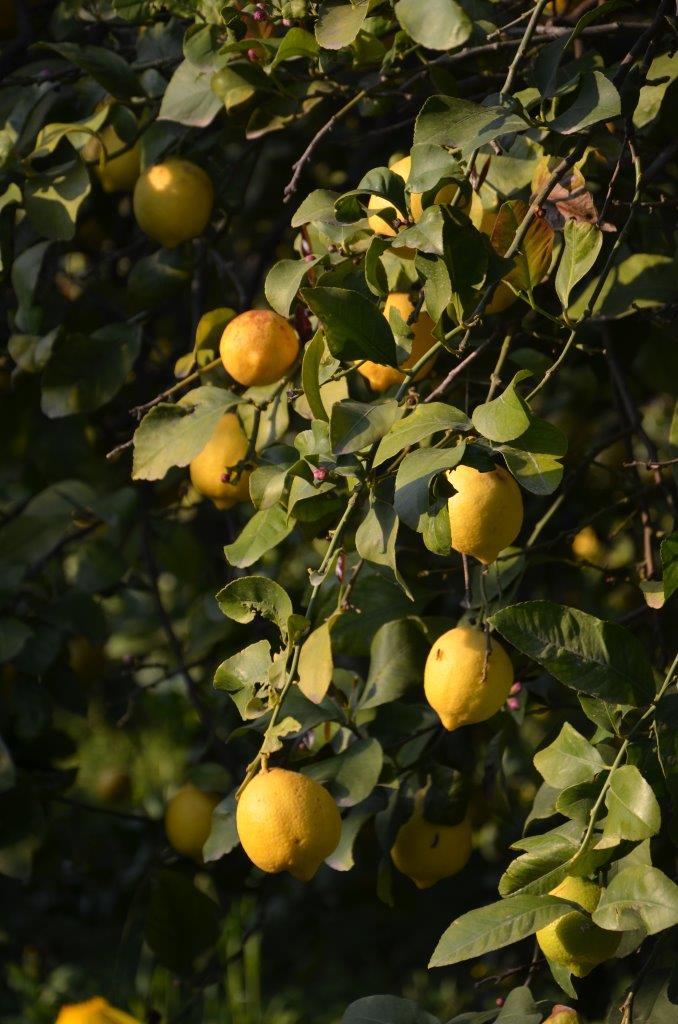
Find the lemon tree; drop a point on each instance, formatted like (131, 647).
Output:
(338, 544)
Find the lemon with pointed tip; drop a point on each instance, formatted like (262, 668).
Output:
(173, 201)
(427, 852)
(117, 173)
(258, 347)
(382, 377)
(486, 513)
(188, 820)
(563, 1015)
(287, 822)
(462, 683)
(93, 1011)
(573, 940)
(212, 468)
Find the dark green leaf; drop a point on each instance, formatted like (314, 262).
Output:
(182, 923)
(354, 327)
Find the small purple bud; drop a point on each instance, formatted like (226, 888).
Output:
(252, 55)
(319, 474)
(513, 703)
(259, 15)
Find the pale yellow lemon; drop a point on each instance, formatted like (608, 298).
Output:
(462, 682)
(173, 201)
(573, 940)
(287, 822)
(227, 446)
(427, 852)
(116, 173)
(382, 227)
(188, 820)
(258, 347)
(382, 377)
(486, 513)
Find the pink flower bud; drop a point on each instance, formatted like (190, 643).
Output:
(319, 474)
(516, 688)
(225, 478)
(259, 15)
(287, 22)
(513, 703)
(252, 55)
(499, 1001)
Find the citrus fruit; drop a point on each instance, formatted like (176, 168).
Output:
(210, 469)
(461, 683)
(573, 940)
(563, 1015)
(427, 852)
(382, 377)
(173, 201)
(188, 820)
(287, 822)
(382, 227)
(93, 1011)
(486, 513)
(258, 347)
(116, 173)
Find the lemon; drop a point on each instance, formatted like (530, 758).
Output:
(486, 513)
(116, 173)
(93, 1011)
(586, 545)
(287, 822)
(573, 940)
(224, 450)
(382, 227)
(427, 852)
(461, 683)
(258, 347)
(563, 1015)
(484, 220)
(173, 201)
(188, 820)
(382, 377)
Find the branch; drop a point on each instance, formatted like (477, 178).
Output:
(458, 369)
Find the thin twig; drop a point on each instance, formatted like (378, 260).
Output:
(298, 166)
(458, 369)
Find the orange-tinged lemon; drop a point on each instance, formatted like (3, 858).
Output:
(486, 513)
(173, 201)
(188, 820)
(210, 469)
(258, 347)
(462, 683)
(93, 1011)
(382, 377)
(427, 852)
(287, 822)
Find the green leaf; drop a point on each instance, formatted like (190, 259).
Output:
(52, 202)
(13, 636)
(661, 74)
(295, 43)
(569, 760)
(241, 674)
(223, 837)
(189, 98)
(84, 373)
(172, 435)
(315, 664)
(319, 205)
(244, 598)
(342, 859)
(545, 863)
(283, 282)
(519, 1008)
(352, 775)
(582, 243)
(424, 421)
(460, 124)
(669, 556)
(356, 425)
(414, 477)
(264, 531)
(506, 416)
(534, 457)
(160, 276)
(181, 923)
(640, 281)
(339, 23)
(354, 327)
(105, 66)
(632, 809)
(437, 24)
(397, 656)
(597, 100)
(376, 537)
(590, 655)
(640, 897)
(386, 1010)
(500, 924)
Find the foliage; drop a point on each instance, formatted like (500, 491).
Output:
(149, 639)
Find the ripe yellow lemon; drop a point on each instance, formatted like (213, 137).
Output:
(484, 220)
(188, 820)
(382, 227)
(287, 822)
(563, 1015)
(173, 201)
(93, 1011)
(117, 173)
(258, 347)
(427, 852)
(461, 683)
(210, 469)
(382, 377)
(573, 940)
(486, 513)
(587, 545)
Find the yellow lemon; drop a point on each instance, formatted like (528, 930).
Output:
(210, 469)
(188, 820)
(563, 1015)
(586, 545)
(287, 822)
(93, 1011)
(486, 513)
(461, 683)
(382, 227)
(573, 940)
(484, 220)
(382, 377)
(258, 347)
(86, 659)
(117, 173)
(173, 201)
(427, 852)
